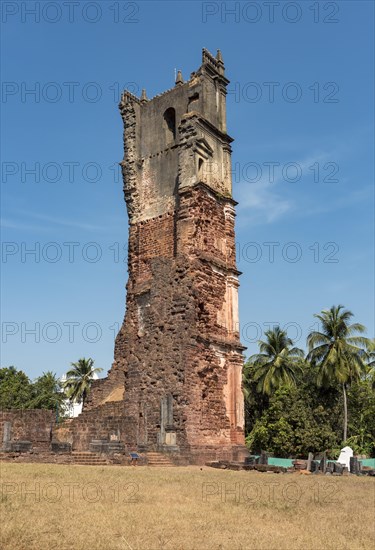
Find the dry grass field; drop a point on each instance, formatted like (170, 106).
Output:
(46, 507)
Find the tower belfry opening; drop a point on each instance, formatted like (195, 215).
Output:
(170, 124)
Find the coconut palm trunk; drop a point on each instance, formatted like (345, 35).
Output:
(345, 413)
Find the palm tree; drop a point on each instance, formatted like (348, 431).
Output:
(79, 380)
(337, 352)
(278, 362)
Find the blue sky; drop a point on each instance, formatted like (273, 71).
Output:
(300, 107)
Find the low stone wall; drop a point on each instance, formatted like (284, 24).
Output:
(34, 425)
(105, 422)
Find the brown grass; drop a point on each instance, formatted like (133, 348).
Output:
(188, 508)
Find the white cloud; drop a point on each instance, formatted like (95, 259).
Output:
(50, 220)
(265, 201)
(259, 203)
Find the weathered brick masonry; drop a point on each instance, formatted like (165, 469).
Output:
(34, 426)
(175, 384)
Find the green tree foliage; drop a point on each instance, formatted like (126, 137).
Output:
(306, 412)
(18, 392)
(255, 401)
(15, 389)
(79, 380)
(47, 393)
(370, 370)
(298, 419)
(361, 411)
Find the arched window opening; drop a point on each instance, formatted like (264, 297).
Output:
(170, 124)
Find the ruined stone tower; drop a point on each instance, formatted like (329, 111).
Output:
(176, 378)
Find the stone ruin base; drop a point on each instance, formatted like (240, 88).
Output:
(34, 436)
